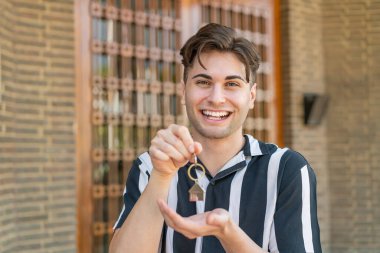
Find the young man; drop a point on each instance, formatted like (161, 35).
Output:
(259, 197)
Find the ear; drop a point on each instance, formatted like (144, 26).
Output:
(252, 96)
(183, 93)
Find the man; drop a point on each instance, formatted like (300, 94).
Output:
(259, 197)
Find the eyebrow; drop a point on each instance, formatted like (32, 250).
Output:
(235, 77)
(202, 75)
(227, 77)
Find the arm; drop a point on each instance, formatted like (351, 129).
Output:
(295, 227)
(170, 149)
(144, 223)
(235, 240)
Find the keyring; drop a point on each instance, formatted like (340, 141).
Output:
(196, 192)
(194, 165)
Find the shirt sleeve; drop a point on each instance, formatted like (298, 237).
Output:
(295, 227)
(136, 182)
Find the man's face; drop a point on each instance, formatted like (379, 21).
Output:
(218, 98)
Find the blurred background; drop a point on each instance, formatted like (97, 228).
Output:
(84, 85)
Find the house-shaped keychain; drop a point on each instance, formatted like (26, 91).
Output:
(196, 193)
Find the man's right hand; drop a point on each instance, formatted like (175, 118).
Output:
(171, 149)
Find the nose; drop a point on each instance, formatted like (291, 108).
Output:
(216, 95)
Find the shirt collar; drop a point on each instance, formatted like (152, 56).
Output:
(250, 149)
(253, 147)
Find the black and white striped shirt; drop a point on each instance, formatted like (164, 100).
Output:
(270, 192)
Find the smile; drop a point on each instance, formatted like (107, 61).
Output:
(215, 115)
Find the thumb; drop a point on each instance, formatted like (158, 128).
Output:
(218, 218)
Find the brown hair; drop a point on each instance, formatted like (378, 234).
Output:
(220, 38)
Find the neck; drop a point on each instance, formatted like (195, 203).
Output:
(217, 152)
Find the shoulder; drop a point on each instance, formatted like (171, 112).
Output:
(293, 167)
(286, 161)
(254, 147)
(293, 158)
(286, 155)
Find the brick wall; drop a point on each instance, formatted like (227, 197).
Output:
(352, 63)
(333, 47)
(303, 72)
(7, 239)
(37, 149)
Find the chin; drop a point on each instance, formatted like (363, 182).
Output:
(214, 133)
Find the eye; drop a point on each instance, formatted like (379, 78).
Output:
(202, 82)
(232, 84)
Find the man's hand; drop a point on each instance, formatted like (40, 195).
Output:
(214, 222)
(171, 149)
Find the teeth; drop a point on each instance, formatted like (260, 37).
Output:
(215, 114)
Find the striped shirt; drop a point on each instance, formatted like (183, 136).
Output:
(270, 192)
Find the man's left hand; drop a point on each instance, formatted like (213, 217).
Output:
(204, 224)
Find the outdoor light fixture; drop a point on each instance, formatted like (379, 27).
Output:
(315, 106)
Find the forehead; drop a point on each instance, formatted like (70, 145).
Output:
(218, 64)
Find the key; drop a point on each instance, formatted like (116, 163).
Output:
(196, 192)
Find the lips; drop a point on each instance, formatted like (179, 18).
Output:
(215, 115)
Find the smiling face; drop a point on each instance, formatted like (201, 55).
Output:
(218, 98)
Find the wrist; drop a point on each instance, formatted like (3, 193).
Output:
(226, 231)
(161, 177)
(158, 186)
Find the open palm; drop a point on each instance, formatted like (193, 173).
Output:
(203, 224)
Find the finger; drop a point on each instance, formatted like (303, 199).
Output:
(174, 220)
(169, 150)
(166, 213)
(164, 208)
(197, 148)
(169, 215)
(155, 153)
(162, 204)
(176, 142)
(191, 227)
(183, 133)
(216, 220)
(218, 217)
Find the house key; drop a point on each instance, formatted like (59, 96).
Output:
(196, 192)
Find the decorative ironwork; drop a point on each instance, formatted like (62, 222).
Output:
(135, 74)
(135, 84)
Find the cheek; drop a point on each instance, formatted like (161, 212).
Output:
(194, 96)
(241, 100)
